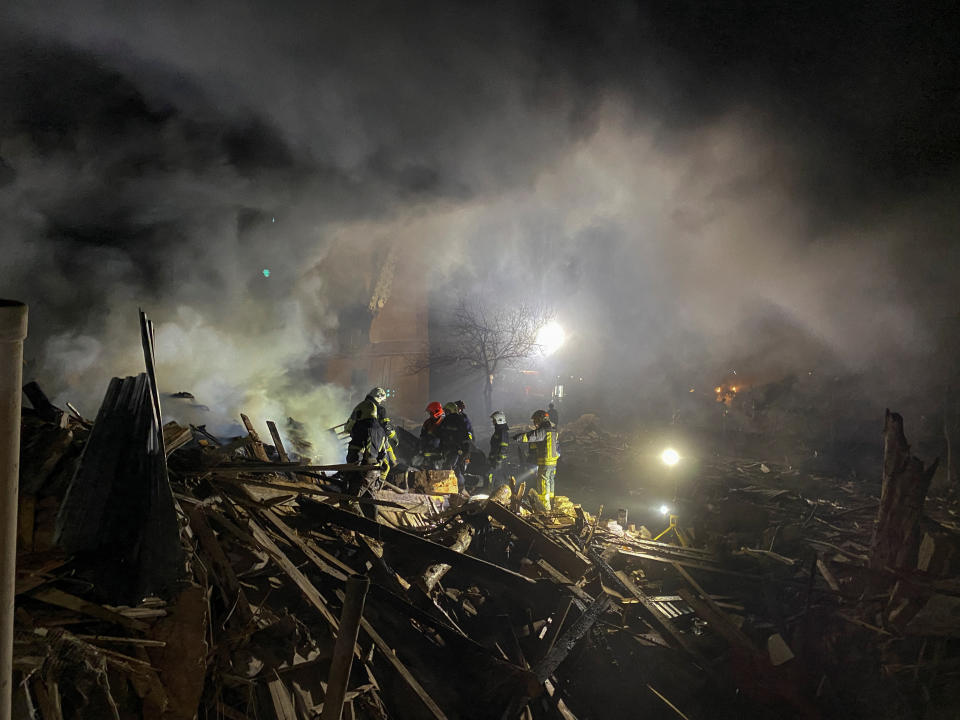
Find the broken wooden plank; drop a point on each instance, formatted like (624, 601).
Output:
(345, 647)
(672, 632)
(224, 576)
(341, 572)
(301, 489)
(308, 589)
(402, 670)
(544, 669)
(571, 563)
(896, 535)
(428, 549)
(828, 575)
(283, 705)
(253, 440)
(271, 467)
(720, 622)
(59, 598)
(435, 572)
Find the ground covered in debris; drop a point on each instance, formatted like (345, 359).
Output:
(165, 573)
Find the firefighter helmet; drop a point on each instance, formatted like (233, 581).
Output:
(378, 394)
(499, 417)
(539, 416)
(451, 408)
(435, 409)
(461, 405)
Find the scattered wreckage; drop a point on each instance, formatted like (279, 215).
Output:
(164, 573)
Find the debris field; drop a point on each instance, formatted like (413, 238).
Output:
(164, 573)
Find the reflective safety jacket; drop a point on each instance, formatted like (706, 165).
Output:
(543, 444)
(370, 448)
(365, 414)
(499, 444)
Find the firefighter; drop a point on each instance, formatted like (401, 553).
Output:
(430, 436)
(462, 409)
(545, 451)
(369, 412)
(554, 415)
(455, 439)
(369, 445)
(499, 444)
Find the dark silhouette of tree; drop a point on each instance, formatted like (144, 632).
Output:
(485, 340)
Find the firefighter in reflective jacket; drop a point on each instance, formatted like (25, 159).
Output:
(499, 445)
(430, 437)
(545, 451)
(370, 413)
(369, 429)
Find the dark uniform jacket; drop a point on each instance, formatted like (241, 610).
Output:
(370, 432)
(499, 444)
(455, 437)
(430, 439)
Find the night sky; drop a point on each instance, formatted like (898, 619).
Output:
(694, 186)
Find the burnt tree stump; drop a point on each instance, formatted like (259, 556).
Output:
(896, 535)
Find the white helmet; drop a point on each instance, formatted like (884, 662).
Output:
(499, 418)
(378, 394)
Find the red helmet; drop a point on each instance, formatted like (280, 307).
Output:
(435, 409)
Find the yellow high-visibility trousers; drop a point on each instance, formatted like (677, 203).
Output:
(546, 475)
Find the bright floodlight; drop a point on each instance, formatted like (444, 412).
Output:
(550, 337)
(664, 509)
(670, 457)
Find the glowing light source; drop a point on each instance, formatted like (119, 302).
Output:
(670, 457)
(266, 272)
(551, 337)
(664, 509)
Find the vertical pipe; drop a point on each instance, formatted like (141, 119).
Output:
(13, 331)
(350, 617)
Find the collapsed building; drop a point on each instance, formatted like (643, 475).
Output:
(163, 572)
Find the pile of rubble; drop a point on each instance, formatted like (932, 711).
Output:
(164, 573)
(590, 449)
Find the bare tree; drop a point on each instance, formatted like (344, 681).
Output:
(485, 340)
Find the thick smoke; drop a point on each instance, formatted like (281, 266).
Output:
(686, 198)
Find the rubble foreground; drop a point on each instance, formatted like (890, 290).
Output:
(164, 573)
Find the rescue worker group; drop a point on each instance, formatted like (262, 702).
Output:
(446, 442)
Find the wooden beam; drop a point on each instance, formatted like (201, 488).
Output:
(223, 573)
(301, 489)
(292, 537)
(567, 561)
(59, 598)
(672, 633)
(345, 647)
(308, 589)
(253, 440)
(402, 670)
(427, 549)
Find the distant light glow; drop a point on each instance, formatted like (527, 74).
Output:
(266, 272)
(664, 509)
(670, 457)
(551, 337)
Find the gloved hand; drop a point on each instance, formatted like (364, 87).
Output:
(395, 441)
